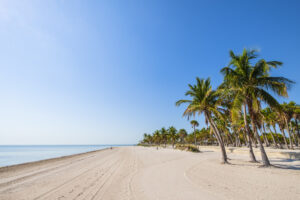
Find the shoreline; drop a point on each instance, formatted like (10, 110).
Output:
(45, 161)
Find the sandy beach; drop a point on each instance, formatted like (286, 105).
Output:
(142, 173)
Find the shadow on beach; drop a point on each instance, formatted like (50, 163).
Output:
(286, 164)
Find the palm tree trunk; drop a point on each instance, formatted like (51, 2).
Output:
(298, 131)
(238, 140)
(245, 139)
(254, 142)
(290, 136)
(296, 139)
(284, 138)
(264, 135)
(263, 153)
(273, 138)
(274, 127)
(195, 136)
(252, 156)
(230, 138)
(219, 138)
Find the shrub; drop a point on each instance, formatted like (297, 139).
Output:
(187, 147)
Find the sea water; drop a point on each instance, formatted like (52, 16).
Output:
(17, 154)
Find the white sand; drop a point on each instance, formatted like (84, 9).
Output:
(142, 173)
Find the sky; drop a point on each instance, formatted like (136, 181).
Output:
(105, 72)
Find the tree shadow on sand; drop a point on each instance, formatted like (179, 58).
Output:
(286, 164)
(278, 163)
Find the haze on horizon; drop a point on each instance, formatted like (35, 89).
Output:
(91, 72)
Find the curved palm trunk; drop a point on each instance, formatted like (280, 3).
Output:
(230, 140)
(238, 140)
(253, 141)
(294, 134)
(273, 138)
(298, 131)
(274, 127)
(245, 139)
(219, 138)
(284, 138)
(195, 136)
(264, 138)
(263, 153)
(290, 136)
(264, 135)
(252, 156)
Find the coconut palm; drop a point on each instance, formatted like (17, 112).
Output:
(296, 116)
(164, 136)
(269, 118)
(172, 133)
(182, 134)
(288, 110)
(204, 101)
(157, 139)
(194, 124)
(251, 84)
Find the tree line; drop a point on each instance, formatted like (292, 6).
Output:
(241, 111)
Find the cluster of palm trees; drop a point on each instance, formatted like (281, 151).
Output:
(243, 108)
(172, 136)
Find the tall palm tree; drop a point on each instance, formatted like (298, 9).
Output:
(204, 101)
(251, 84)
(194, 124)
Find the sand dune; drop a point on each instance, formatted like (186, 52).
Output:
(141, 173)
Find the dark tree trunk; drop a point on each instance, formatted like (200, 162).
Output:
(252, 156)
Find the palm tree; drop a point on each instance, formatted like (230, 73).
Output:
(164, 136)
(194, 124)
(269, 119)
(204, 101)
(251, 84)
(182, 134)
(296, 116)
(157, 137)
(172, 132)
(288, 112)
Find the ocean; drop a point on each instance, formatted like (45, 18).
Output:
(17, 154)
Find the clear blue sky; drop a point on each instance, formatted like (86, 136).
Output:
(98, 72)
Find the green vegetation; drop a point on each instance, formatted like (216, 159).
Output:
(187, 147)
(242, 111)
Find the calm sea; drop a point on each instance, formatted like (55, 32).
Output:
(17, 154)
